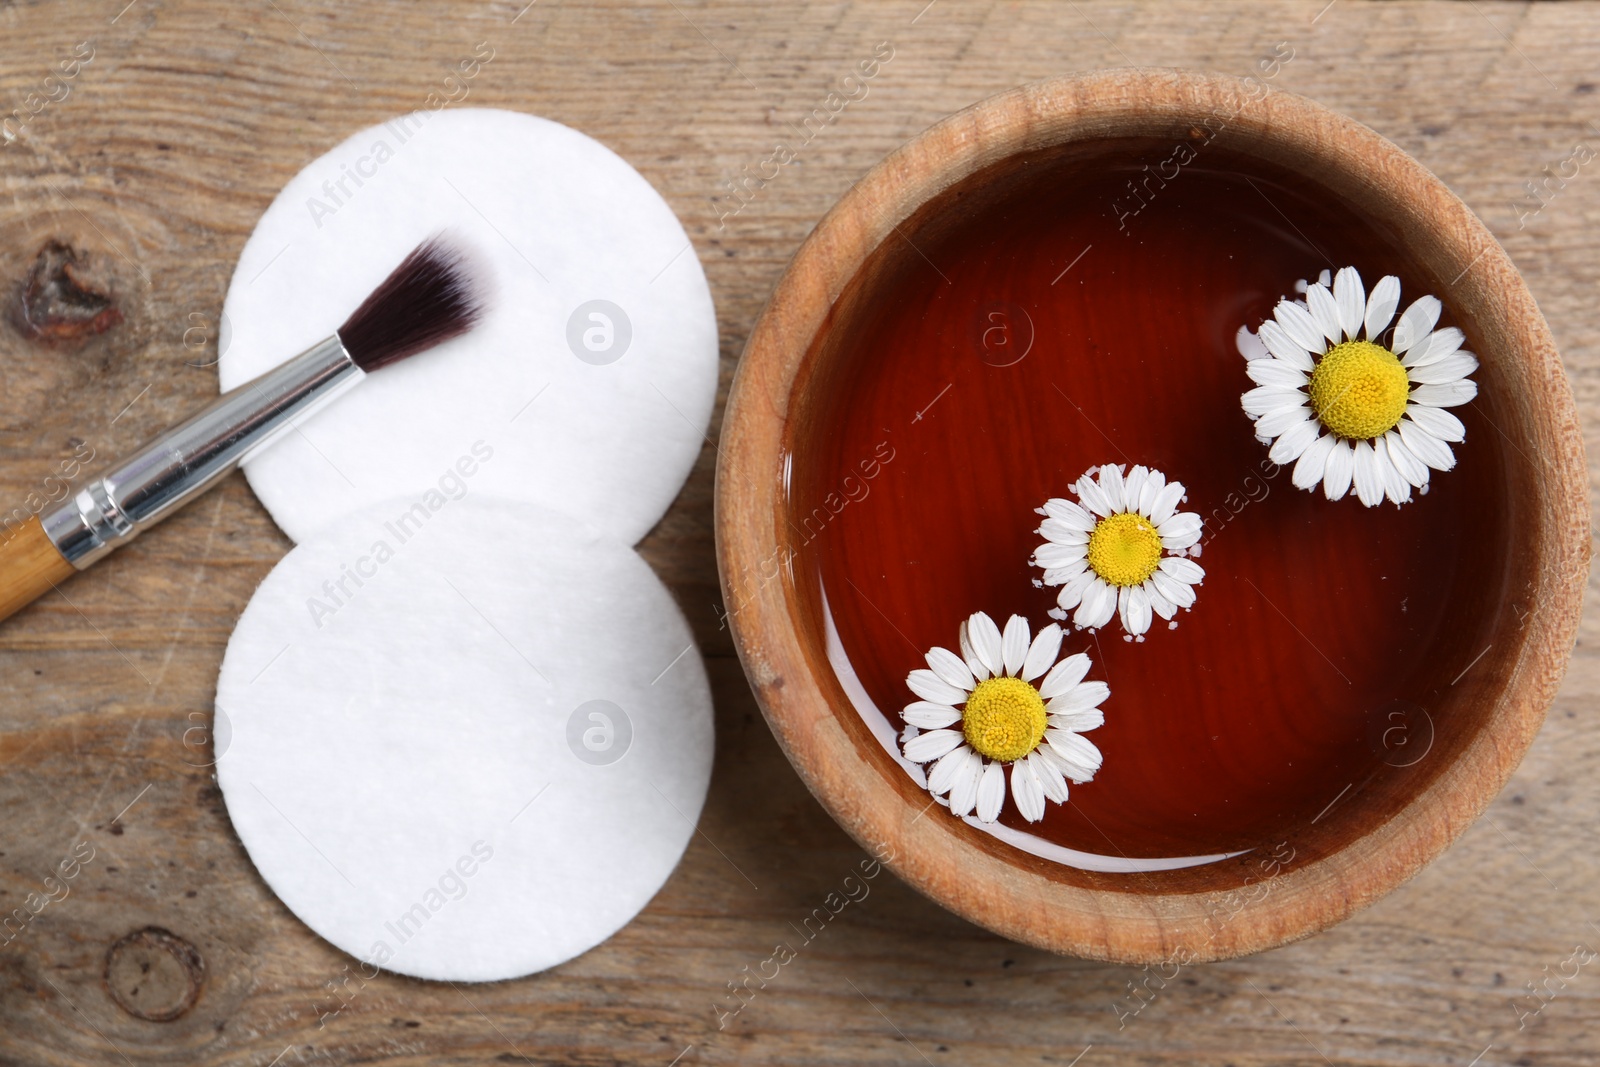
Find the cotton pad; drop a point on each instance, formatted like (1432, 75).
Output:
(463, 738)
(593, 374)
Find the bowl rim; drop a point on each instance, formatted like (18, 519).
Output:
(1012, 898)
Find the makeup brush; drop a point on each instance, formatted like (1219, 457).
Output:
(436, 293)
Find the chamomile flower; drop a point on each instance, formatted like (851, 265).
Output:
(1117, 550)
(1348, 409)
(1005, 701)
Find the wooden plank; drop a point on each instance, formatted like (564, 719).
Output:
(174, 136)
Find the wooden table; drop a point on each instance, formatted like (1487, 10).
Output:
(156, 159)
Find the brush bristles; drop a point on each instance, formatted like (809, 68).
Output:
(433, 295)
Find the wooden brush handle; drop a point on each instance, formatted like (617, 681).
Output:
(29, 567)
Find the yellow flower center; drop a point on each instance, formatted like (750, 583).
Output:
(1124, 549)
(1004, 719)
(1359, 390)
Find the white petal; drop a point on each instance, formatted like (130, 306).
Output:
(985, 638)
(1180, 523)
(1133, 487)
(1111, 485)
(930, 686)
(1438, 422)
(951, 668)
(1153, 484)
(1248, 344)
(1093, 497)
(1300, 326)
(1351, 297)
(1082, 696)
(1060, 562)
(1294, 442)
(926, 715)
(1027, 790)
(1099, 604)
(1381, 304)
(1179, 594)
(1065, 573)
(1051, 555)
(1278, 342)
(1078, 753)
(1282, 420)
(1079, 721)
(1069, 514)
(1062, 534)
(1046, 756)
(1445, 396)
(1166, 503)
(1313, 461)
(1180, 531)
(964, 783)
(968, 653)
(1265, 399)
(1014, 643)
(1158, 600)
(1434, 347)
(1449, 369)
(1108, 608)
(1325, 310)
(1050, 777)
(1412, 469)
(991, 793)
(1415, 323)
(1369, 485)
(1042, 653)
(1426, 447)
(1136, 617)
(1063, 676)
(1341, 465)
(1396, 488)
(945, 770)
(1071, 594)
(1186, 571)
(1276, 372)
(1418, 352)
(931, 745)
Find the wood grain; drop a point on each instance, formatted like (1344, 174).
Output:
(175, 137)
(30, 566)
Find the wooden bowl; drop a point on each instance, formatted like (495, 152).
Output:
(1374, 839)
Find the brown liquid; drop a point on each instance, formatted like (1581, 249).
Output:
(1270, 699)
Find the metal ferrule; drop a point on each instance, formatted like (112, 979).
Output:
(191, 457)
